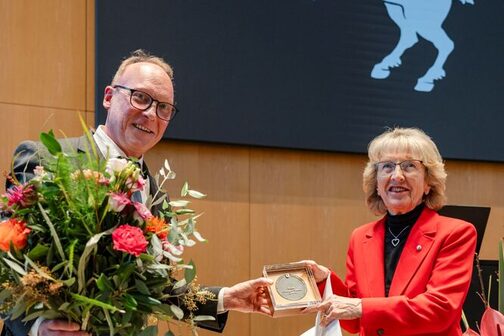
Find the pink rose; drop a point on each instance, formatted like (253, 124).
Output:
(129, 239)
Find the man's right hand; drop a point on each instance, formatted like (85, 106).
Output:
(60, 328)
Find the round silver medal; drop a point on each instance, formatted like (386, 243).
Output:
(290, 287)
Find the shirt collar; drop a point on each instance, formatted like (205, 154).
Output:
(108, 147)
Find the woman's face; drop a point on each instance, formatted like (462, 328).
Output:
(401, 182)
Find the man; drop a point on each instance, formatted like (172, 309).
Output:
(139, 104)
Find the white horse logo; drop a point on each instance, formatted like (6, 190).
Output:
(425, 18)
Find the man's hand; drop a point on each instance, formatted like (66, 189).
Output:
(249, 297)
(337, 308)
(60, 328)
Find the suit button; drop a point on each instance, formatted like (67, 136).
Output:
(380, 331)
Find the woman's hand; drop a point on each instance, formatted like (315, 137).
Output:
(337, 308)
(319, 272)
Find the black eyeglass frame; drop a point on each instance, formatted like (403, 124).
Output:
(152, 100)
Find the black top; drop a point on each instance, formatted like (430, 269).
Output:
(397, 229)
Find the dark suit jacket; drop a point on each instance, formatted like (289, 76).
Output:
(30, 154)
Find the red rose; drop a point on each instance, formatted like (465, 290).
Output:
(129, 239)
(15, 231)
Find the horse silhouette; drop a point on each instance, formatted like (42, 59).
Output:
(424, 18)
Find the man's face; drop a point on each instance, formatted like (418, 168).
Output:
(135, 131)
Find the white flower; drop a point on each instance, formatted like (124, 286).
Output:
(39, 171)
(115, 165)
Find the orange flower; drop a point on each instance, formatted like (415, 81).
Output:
(15, 231)
(158, 226)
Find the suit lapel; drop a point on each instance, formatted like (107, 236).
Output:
(417, 246)
(84, 146)
(372, 251)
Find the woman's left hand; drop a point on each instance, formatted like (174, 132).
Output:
(337, 308)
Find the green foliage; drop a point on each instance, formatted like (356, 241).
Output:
(71, 267)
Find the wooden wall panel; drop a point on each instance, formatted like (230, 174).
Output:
(26, 122)
(221, 172)
(90, 56)
(481, 184)
(44, 51)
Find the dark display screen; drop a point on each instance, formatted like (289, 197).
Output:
(322, 75)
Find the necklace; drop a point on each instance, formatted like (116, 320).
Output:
(395, 241)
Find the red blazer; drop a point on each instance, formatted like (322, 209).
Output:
(430, 282)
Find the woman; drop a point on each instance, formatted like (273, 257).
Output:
(409, 272)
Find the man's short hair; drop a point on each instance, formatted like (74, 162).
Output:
(141, 55)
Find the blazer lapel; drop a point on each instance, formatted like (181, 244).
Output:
(85, 146)
(372, 251)
(416, 248)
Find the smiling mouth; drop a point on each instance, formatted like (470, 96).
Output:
(397, 189)
(144, 129)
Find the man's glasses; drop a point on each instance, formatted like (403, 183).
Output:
(408, 167)
(143, 101)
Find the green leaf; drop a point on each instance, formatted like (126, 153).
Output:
(104, 283)
(64, 306)
(184, 211)
(169, 333)
(130, 302)
(196, 194)
(184, 190)
(69, 282)
(179, 313)
(190, 273)
(15, 266)
(160, 199)
(71, 252)
(38, 252)
(203, 318)
(50, 142)
(198, 236)
(90, 246)
(97, 303)
(149, 331)
(179, 284)
(33, 316)
(179, 203)
(109, 322)
(5, 294)
(54, 235)
(141, 287)
(18, 309)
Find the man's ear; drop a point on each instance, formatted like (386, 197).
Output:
(107, 96)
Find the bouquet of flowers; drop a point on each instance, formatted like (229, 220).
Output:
(78, 247)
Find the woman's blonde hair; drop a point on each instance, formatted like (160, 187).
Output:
(420, 146)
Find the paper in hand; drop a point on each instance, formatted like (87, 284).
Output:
(333, 329)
